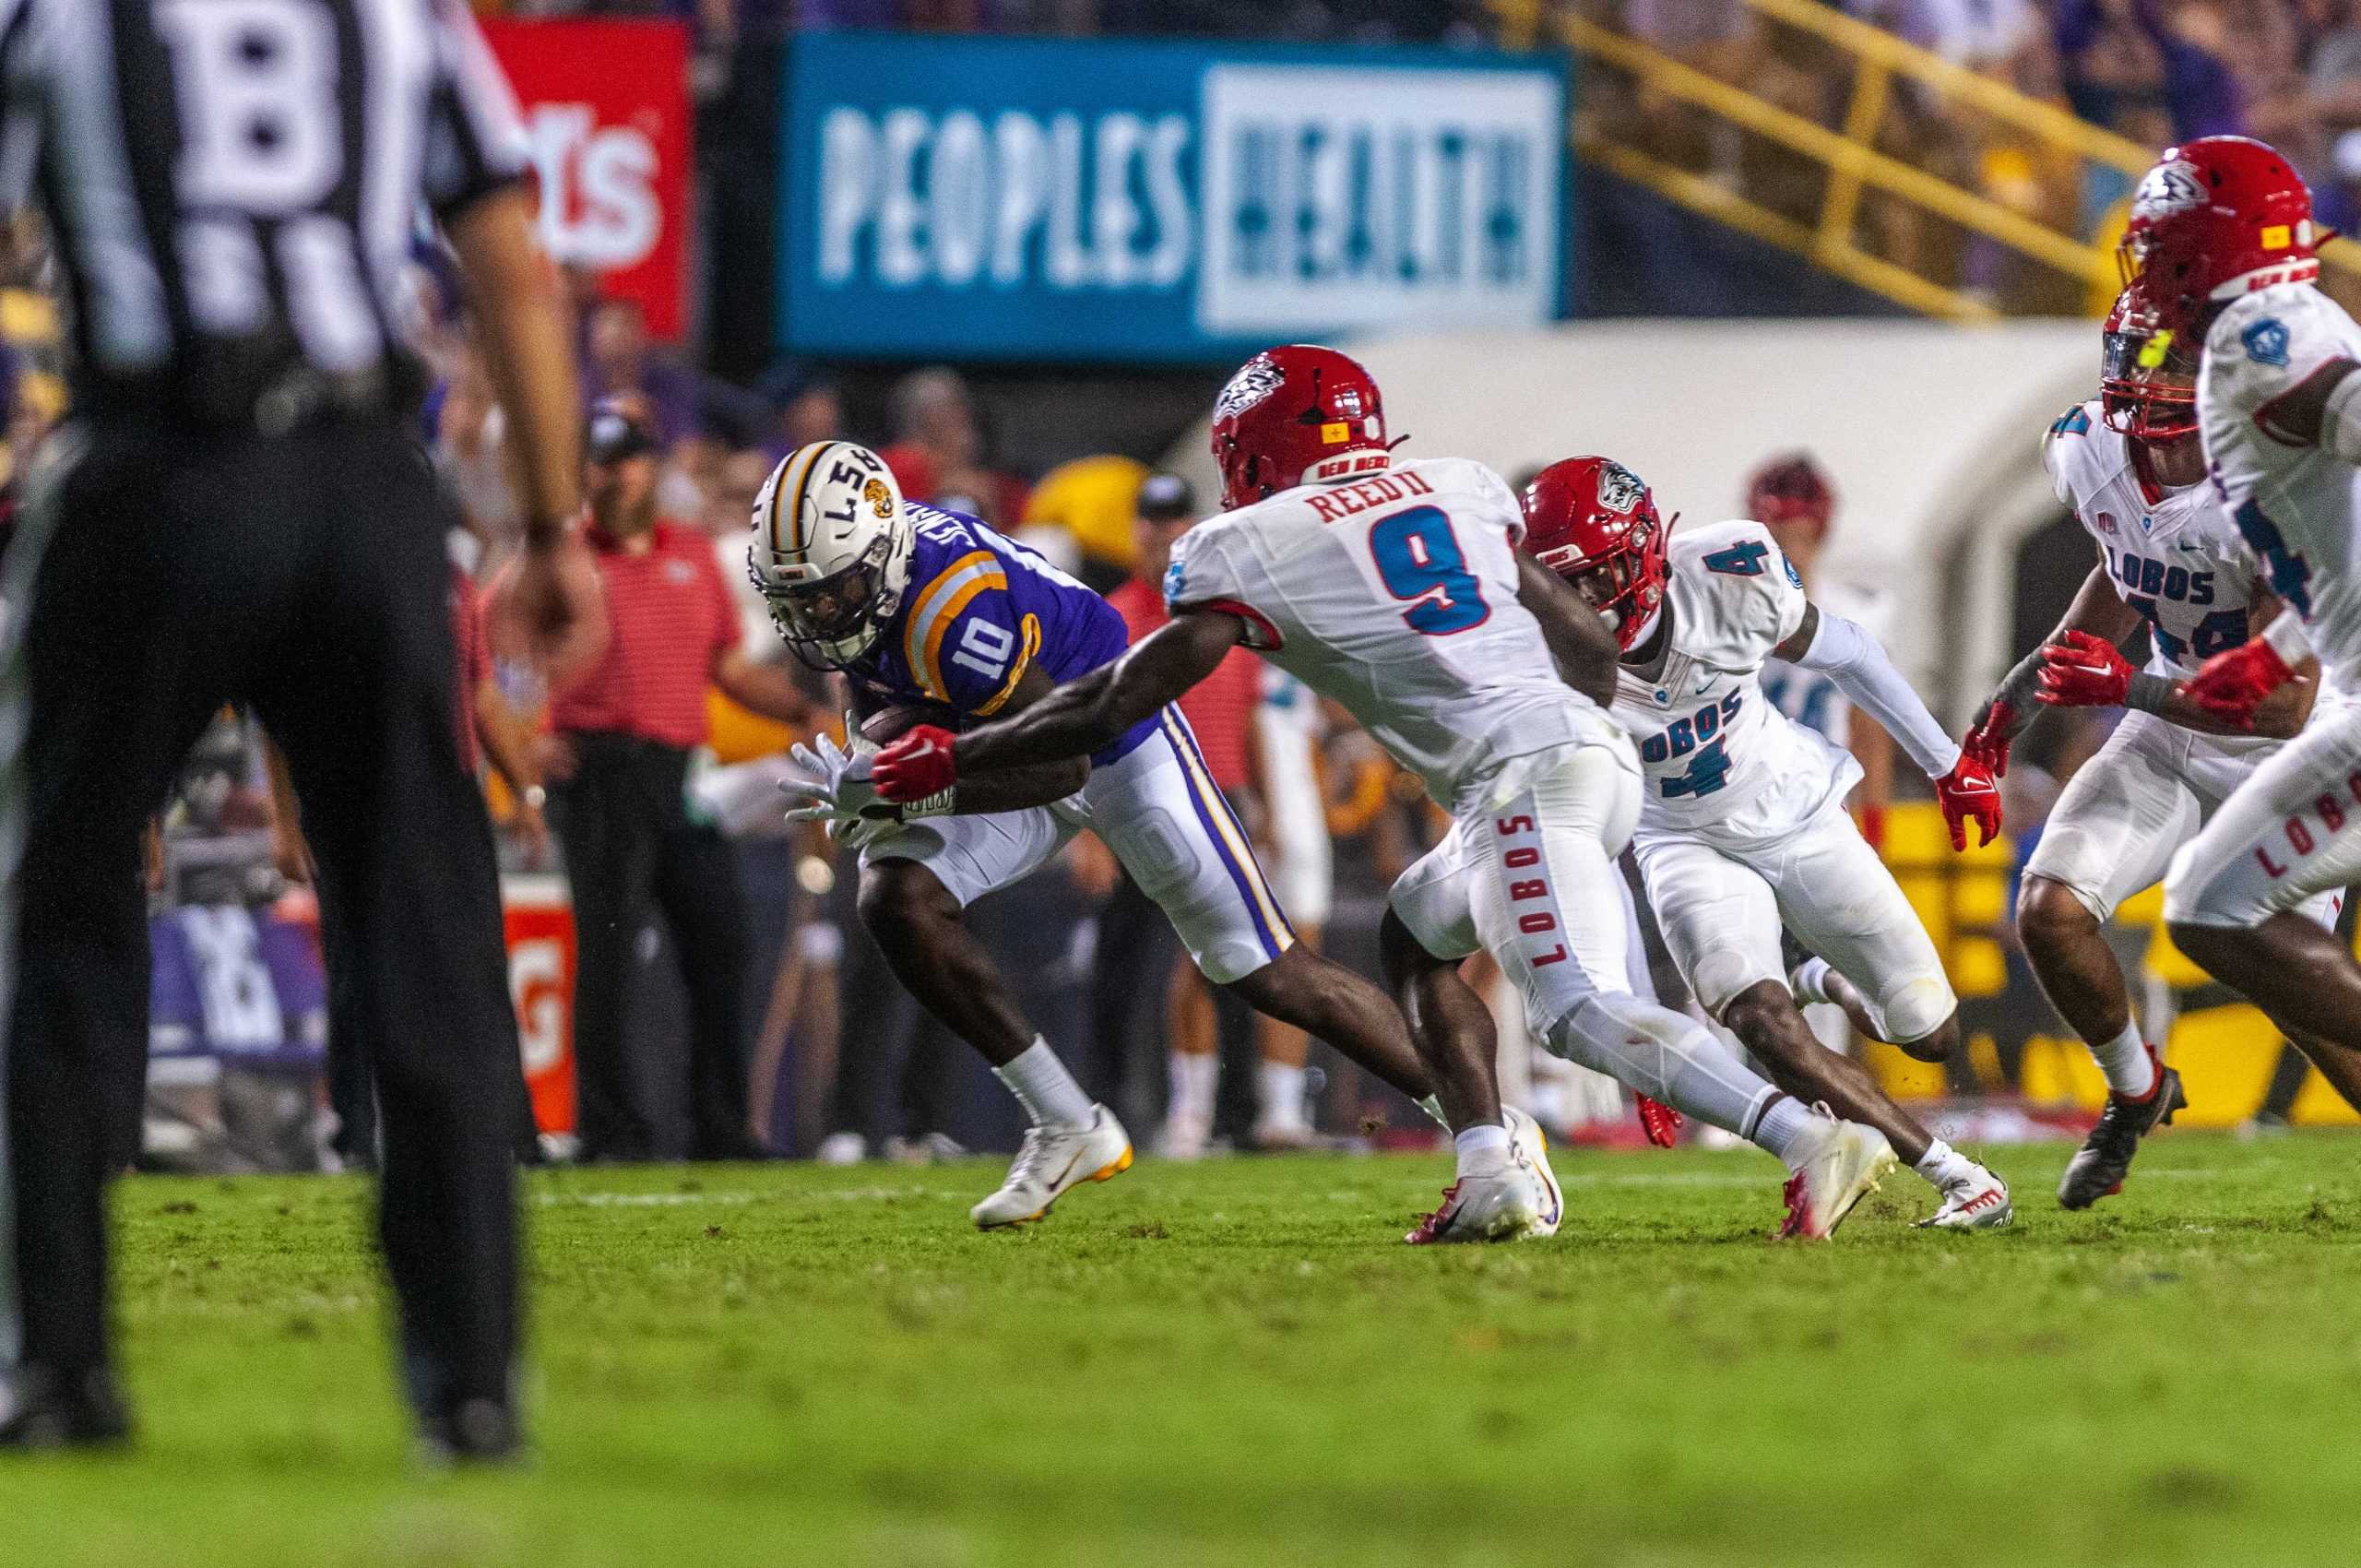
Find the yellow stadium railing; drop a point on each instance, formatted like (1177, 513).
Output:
(1848, 153)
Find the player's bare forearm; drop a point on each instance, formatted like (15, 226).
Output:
(1579, 641)
(1029, 784)
(2098, 610)
(527, 345)
(1088, 714)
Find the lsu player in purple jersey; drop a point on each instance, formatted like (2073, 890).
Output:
(921, 607)
(1743, 825)
(1396, 590)
(2131, 465)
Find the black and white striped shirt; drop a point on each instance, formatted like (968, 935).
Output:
(234, 185)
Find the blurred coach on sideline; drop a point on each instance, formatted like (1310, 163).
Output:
(617, 779)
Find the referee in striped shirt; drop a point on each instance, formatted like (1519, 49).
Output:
(235, 513)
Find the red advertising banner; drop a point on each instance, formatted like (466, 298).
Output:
(607, 104)
(541, 982)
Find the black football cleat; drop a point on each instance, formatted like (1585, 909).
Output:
(49, 1411)
(475, 1433)
(2099, 1166)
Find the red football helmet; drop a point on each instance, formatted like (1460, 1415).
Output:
(1591, 521)
(1292, 415)
(2217, 218)
(1791, 489)
(2147, 380)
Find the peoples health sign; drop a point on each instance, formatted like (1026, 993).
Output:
(1091, 201)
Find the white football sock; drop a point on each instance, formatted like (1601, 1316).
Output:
(1044, 1087)
(1665, 1056)
(1811, 982)
(1474, 1144)
(1942, 1165)
(1790, 1130)
(2130, 1071)
(1282, 1095)
(1192, 1079)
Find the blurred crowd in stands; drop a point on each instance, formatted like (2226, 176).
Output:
(2152, 71)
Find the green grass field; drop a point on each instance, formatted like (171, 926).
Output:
(1238, 1362)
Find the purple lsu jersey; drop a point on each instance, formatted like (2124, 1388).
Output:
(980, 611)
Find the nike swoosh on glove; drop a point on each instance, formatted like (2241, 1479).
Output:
(1967, 793)
(2081, 671)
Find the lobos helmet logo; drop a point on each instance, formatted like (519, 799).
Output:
(2168, 187)
(1255, 381)
(1618, 488)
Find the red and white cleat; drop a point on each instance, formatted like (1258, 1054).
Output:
(1980, 1202)
(1501, 1199)
(1660, 1122)
(1846, 1167)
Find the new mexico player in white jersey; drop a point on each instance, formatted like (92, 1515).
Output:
(1398, 591)
(2131, 466)
(1742, 823)
(2221, 239)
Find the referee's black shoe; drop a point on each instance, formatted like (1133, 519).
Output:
(2099, 1166)
(474, 1431)
(51, 1409)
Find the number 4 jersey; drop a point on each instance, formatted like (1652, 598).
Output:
(1395, 596)
(1720, 759)
(2172, 555)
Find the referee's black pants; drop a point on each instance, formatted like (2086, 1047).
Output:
(158, 573)
(632, 849)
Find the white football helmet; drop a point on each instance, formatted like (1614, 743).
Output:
(832, 550)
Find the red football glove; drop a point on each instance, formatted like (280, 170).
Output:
(919, 765)
(2081, 671)
(1988, 741)
(1660, 1122)
(1967, 793)
(2231, 685)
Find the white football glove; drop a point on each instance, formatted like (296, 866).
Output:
(837, 792)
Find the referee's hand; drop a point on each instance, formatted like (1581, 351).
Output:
(550, 609)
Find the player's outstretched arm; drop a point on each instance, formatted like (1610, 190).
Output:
(2081, 671)
(1579, 641)
(1850, 657)
(2097, 610)
(1072, 720)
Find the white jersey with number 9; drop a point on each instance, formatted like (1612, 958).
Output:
(1395, 596)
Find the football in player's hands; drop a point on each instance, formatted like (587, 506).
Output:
(919, 765)
(1967, 793)
(2232, 684)
(890, 724)
(2081, 671)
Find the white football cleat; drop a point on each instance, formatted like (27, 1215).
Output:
(1500, 1199)
(1845, 1168)
(1980, 1202)
(1050, 1160)
(1528, 1142)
